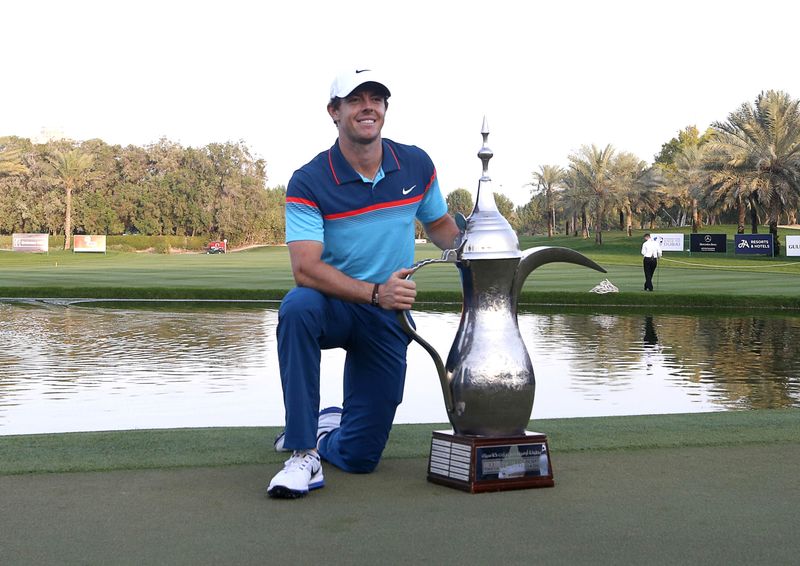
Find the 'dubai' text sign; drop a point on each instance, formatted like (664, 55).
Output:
(87, 243)
(708, 243)
(669, 242)
(30, 242)
(753, 244)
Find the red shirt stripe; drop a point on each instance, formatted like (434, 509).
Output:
(297, 200)
(333, 172)
(379, 206)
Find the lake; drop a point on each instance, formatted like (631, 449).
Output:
(78, 368)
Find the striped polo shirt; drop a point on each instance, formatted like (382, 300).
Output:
(366, 226)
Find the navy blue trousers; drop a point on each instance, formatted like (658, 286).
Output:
(374, 374)
(649, 264)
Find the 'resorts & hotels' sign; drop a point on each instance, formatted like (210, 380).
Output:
(753, 244)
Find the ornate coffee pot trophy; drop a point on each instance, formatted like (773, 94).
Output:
(487, 380)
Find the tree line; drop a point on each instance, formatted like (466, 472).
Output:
(748, 164)
(65, 187)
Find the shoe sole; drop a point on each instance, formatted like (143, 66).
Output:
(283, 492)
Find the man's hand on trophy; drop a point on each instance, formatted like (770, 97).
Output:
(398, 293)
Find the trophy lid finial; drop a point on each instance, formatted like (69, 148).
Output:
(485, 154)
(488, 234)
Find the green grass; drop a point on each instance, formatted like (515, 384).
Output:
(682, 280)
(175, 448)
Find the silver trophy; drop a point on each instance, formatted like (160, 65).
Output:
(488, 381)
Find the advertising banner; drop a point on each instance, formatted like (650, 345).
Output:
(30, 242)
(793, 245)
(709, 243)
(89, 244)
(669, 242)
(753, 244)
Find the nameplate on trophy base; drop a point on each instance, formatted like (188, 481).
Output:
(490, 463)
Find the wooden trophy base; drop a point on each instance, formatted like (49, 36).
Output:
(483, 463)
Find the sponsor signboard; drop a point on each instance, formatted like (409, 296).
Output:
(753, 244)
(793, 245)
(709, 243)
(669, 242)
(30, 242)
(89, 243)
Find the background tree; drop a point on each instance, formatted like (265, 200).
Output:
(528, 218)
(576, 197)
(11, 157)
(730, 191)
(163, 189)
(688, 180)
(759, 147)
(548, 180)
(651, 198)
(689, 136)
(627, 172)
(460, 200)
(677, 204)
(592, 169)
(505, 206)
(72, 167)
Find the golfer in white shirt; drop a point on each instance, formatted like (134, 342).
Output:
(651, 250)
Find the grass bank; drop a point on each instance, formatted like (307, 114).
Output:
(682, 279)
(179, 448)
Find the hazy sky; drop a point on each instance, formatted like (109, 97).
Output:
(549, 76)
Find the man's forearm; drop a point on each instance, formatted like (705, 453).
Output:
(443, 232)
(331, 281)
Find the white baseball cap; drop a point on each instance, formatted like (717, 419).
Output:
(347, 81)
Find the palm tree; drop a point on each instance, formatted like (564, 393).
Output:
(650, 199)
(759, 147)
(593, 172)
(728, 191)
(575, 199)
(549, 178)
(627, 173)
(689, 179)
(72, 167)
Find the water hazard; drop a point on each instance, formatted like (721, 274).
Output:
(75, 368)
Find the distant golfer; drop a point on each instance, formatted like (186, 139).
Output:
(350, 216)
(651, 250)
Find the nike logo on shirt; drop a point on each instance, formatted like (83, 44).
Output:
(408, 190)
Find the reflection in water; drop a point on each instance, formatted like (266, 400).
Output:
(650, 334)
(66, 368)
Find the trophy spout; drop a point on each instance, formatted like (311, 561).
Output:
(538, 256)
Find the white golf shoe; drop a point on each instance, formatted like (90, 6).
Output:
(300, 474)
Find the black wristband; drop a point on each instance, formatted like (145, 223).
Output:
(375, 295)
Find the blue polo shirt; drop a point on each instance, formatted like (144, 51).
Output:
(366, 226)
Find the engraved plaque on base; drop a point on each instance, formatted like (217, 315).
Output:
(483, 463)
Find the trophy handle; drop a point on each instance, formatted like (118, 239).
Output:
(404, 318)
